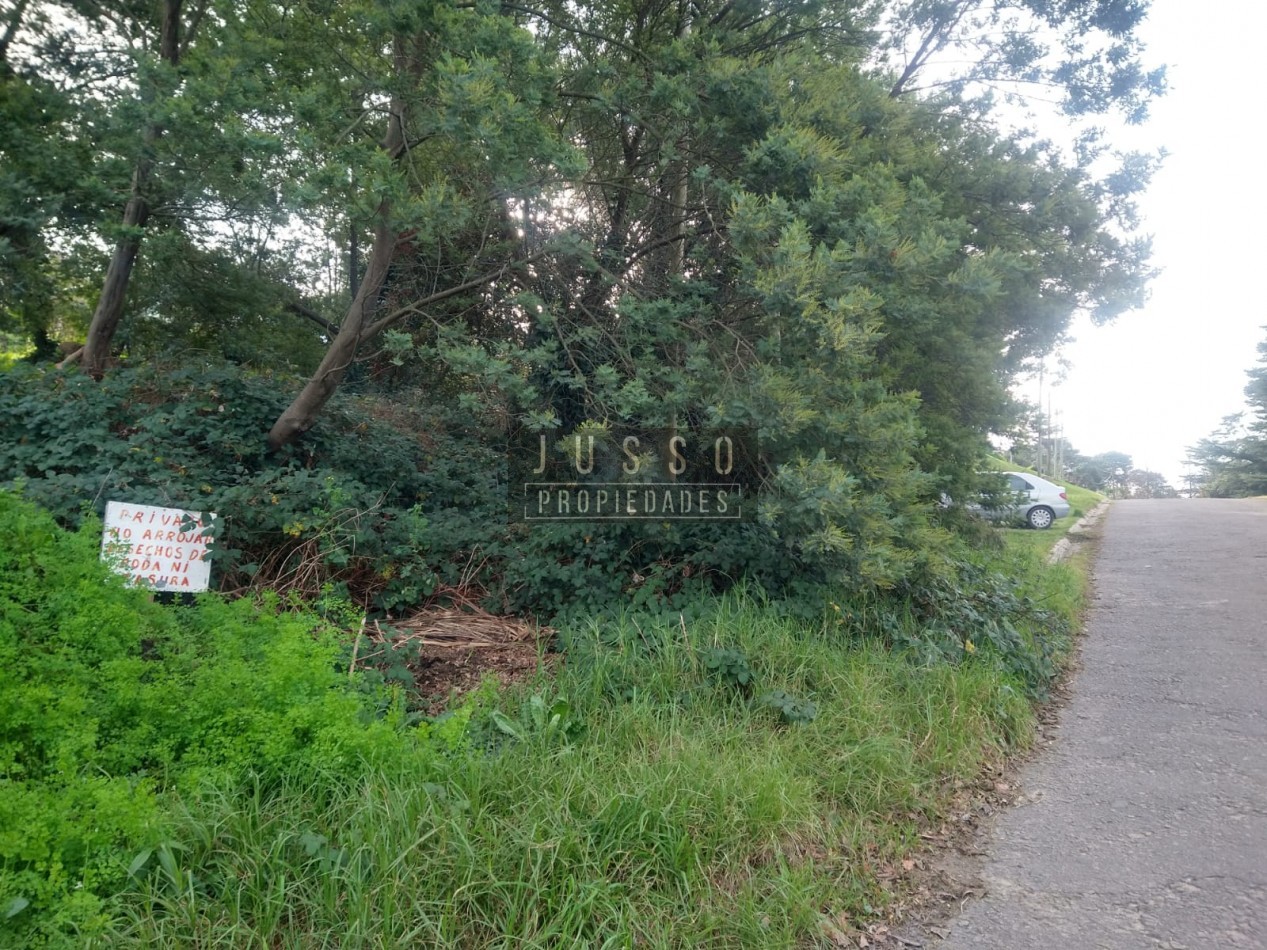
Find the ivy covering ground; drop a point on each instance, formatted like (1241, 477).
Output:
(383, 504)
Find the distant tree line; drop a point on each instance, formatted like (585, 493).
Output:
(1111, 473)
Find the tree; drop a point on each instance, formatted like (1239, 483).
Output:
(47, 155)
(1105, 472)
(1141, 483)
(461, 141)
(158, 84)
(1233, 459)
(160, 134)
(703, 292)
(699, 214)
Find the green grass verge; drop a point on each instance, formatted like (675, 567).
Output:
(684, 817)
(1082, 499)
(734, 781)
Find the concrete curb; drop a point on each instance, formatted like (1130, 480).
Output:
(1064, 547)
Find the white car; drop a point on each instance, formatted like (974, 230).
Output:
(1037, 501)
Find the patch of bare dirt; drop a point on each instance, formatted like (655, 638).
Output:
(452, 650)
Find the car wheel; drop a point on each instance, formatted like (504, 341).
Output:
(1040, 517)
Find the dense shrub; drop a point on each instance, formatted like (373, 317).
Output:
(982, 609)
(382, 501)
(338, 509)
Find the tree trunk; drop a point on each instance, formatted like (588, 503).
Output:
(358, 327)
(114, 290)
(302, 412)
(357, 330)
(354, 259)
(105, 319)
(299, 416)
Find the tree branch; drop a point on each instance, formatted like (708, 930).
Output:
(308, 313)
(570, 28)
(666, 241)
(10, 30)
(934, 40)
(192, 28)
(378, 326)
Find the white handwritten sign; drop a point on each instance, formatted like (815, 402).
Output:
(162, 548)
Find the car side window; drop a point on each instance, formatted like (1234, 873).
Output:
(1016, 483)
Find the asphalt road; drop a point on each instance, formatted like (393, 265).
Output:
(1147, 821)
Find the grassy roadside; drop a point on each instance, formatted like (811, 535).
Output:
(685, 817)
(1081, 501)
(648, 797)
(749, 779)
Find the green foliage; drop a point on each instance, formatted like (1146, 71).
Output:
(790, 709)
(729, 223)
(385, 511)
(980, 613)
(392, 663)
(110, 703)
(943, 230)
(1084, 54)
(729, 667)
(345, 508)
(45, 180)
(730, 226)
(624, 833)
(541, 719)
(179, 762)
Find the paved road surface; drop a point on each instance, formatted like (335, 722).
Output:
(1151, 828)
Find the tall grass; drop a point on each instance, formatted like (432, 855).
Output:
(685, 816)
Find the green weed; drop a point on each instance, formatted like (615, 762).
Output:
(727, 780)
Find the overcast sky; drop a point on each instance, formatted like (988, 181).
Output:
(1158, 379)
